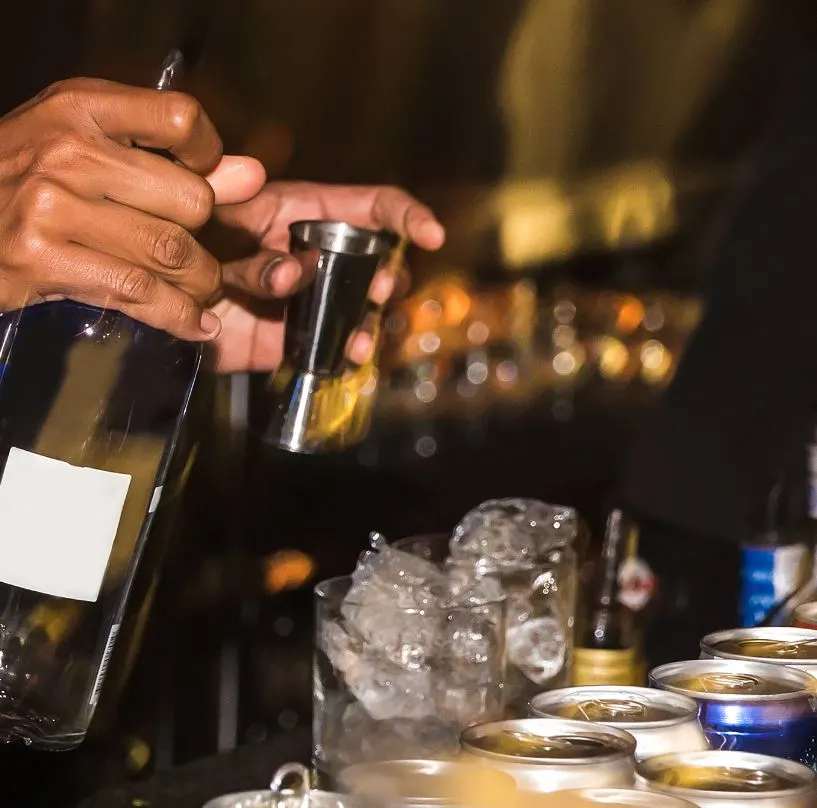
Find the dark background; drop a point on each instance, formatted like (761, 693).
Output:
(376, 92)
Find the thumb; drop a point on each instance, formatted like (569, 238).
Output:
(236, 179)
(268, 274)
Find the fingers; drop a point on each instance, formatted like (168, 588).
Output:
(144, 241)
(144, 117)
(268, 215)
(76, 272)
(395, 209)
(269, 274)
(236, 179)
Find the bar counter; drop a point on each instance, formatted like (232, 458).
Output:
(244, 769)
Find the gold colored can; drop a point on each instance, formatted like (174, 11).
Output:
(604, 667)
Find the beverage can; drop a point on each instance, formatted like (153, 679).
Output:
(784, 646)
(716, 779)
(298, 795)
(611, 797)
(749, 706)
(660, 721)
(805, 616)
(548, 754)
(768, 576)
(400, 783)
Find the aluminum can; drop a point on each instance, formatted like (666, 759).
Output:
(794, 647)
(730, 780)
(298, 795)
(805, 616)
(661, 722)
(749, 706)
(406, 783)
(548, 754)
(610, 797)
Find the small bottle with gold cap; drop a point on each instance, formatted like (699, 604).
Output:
(608, 650)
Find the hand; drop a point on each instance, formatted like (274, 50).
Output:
(251, 312)
(84, 215)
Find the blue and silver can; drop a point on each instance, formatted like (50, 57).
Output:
(749, 706)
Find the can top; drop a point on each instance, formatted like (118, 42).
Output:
(622, 707)
(297, 795)
(731, 679)
(548, 741)
(425, 782)
(701, 774)
(617, 797)
(779, 645)
(807, 613)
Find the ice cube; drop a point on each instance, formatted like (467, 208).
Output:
(537, 647)
(361, 738)
(499, 533)
(388, 691)
(393, 605)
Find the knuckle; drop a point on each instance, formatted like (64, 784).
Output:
(215, 278)
(172, 247)
(134, 285)
(184, 114)
(40, 197)
(198, 202)
(29, 249)
(59, 153)
(183, 309)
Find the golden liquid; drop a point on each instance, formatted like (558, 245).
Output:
(622, 711)
(529, 745)
(724, 779)
(731, 683)
(769, 649)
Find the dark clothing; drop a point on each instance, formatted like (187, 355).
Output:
(741, 408)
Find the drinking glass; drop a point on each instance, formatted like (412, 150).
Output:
(392, 681)
(540, 613)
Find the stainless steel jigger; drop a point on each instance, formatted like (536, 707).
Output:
(340, 260)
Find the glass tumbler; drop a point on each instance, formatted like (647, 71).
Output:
(540, 613)
(394, 683)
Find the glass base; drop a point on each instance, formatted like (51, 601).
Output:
(37, 731)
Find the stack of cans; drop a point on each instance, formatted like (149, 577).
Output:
(737, 727)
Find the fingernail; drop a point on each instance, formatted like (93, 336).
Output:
(382, 287)
(210, 324)
(432, 232)
(361, 348)
(266, 273)
(283, 278)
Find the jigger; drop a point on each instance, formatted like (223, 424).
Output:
(339, 262)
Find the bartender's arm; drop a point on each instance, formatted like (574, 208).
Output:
(85, 215)
(742, 405)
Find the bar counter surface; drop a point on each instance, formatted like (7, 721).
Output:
(244, 769)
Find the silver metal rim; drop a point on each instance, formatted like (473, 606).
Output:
(688, 709)
(800, 680)
(622, 744)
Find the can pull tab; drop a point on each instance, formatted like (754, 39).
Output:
(291, 780)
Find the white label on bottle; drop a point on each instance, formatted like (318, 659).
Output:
(58, 523)
(103, 667)
(157, 496)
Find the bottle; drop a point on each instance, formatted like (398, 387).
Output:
(782, 614)
(607, 652)
(91, 404)
(776, 562)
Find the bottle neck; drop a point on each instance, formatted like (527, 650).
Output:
(612, 551)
